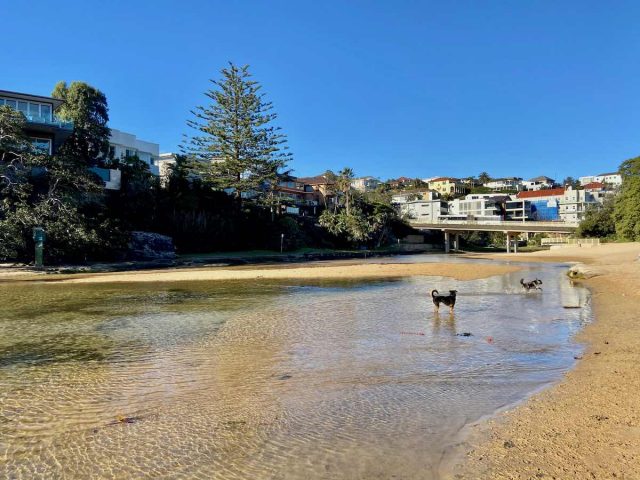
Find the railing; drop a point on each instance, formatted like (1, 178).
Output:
(515, 223)
(54, 122)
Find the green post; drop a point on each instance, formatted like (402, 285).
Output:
(39, 237)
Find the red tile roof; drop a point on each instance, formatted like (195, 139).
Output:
(593, 185)
(550, 192)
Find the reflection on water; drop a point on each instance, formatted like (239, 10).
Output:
(268, 379)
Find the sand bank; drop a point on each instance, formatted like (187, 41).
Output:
(588, 425)
(333, 270)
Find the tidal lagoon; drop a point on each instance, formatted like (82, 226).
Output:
(269, 379)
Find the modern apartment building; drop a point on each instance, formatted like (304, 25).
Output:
(518, 210)
(427, 211)
(323, 189)
(478, 207)
(574, 203)
(122, 145)
(46, 131)
(545, 204)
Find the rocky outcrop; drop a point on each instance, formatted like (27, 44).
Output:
(580, 270)
(150, 246)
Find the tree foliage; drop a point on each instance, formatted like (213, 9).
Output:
(598, 221)
(87, 108)
(627, 207)
(236, 143)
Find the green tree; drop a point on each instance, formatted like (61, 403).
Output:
(87, 108)
(236, 143)
(627, 207)
(484, 178)
(570, 182)
(343, 185)
(598, 221)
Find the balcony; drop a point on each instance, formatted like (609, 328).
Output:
(50, 122)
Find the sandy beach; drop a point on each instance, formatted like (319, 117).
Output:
(334, 270)
(588, 425)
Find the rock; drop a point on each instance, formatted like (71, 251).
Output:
(581, 270)
(509, 444)
(464, 334)
(150, 246)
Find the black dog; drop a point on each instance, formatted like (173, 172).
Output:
(533, 285)
(448, 300)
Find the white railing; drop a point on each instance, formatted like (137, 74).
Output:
(505, 223)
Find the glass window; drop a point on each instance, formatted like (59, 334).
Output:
(43, 145)
(34, 109)
(11, 103)
(45, 111)
(1, 101)
(22, 107)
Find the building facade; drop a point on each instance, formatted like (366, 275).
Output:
(427, 211)
(365, 184)
(613, 179)
(545, 204)
(122, 145)
(448, 186)
(478, 207)
(46, 131)
(574, 203)
(539, 183)
(501, 184)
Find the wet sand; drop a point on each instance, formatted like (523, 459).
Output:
(588, 425)
(334, 270)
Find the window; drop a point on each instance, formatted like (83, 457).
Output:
(1, 101)
(45, 111)
(22, 107)
(34, 109)
(11, 103)
(43, 145)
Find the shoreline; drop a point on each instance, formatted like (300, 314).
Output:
(334, 271)
(587, 425)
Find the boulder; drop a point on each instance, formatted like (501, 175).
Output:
(151, 246)
(580, 270)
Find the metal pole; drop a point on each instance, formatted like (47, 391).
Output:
(281, 242)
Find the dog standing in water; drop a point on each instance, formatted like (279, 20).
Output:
(533, 285)
(448, 300)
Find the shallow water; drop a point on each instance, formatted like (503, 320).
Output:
(268, 379)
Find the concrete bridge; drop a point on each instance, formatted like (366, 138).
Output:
(510, 228)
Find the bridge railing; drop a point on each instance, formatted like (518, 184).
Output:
(497, 223)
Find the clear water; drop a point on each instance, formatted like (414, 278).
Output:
(268, 380)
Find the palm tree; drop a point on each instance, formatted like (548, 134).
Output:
(343, 184)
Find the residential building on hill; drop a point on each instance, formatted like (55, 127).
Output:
(46, 131)
(323, 189)
(539, 183)
(409, 196)
(122, 145)
(448, 186)
(500, 184)
(365, 184)
(613, 178)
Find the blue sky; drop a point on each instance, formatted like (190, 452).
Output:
(413, 88)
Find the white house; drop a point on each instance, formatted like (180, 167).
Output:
(539, 183)
(122, 144)
(365, 184)
(614, 179)
(510, 183)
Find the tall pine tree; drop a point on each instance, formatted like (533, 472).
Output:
(236, 143)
